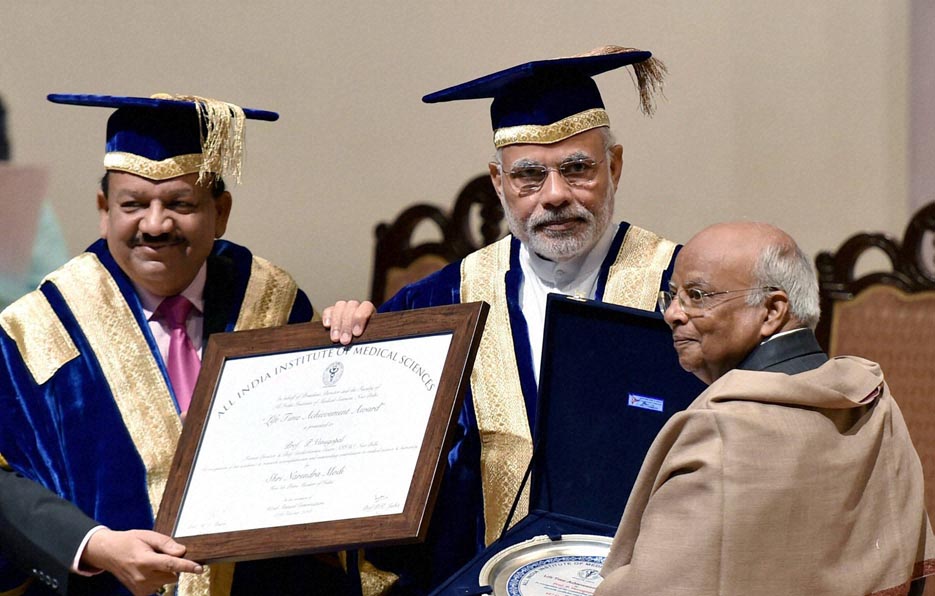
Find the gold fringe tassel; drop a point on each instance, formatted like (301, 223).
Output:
(650, 75)
(223, 137)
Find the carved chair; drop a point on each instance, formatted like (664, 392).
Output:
(476, 220)
(889, 317)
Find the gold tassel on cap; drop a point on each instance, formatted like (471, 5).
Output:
(222, 140)
(650, 75)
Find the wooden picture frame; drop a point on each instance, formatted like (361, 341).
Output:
(219, 504)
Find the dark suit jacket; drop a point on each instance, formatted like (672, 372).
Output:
(792, 353)
(39, 531)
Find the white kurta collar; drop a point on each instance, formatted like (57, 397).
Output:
(567, 277)
(577, 277)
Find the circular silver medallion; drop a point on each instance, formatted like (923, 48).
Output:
(543, 567)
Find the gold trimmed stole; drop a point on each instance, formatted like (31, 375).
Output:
(136, 383)
(635, 276)
(268, 298)
(505, 438)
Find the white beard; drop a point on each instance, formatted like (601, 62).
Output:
(563, 246)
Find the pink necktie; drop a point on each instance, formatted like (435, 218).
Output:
(183, 363)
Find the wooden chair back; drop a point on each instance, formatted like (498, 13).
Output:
(475, 220)
(889, 317)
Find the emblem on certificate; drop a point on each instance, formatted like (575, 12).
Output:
(332, 374)
(541, 566)
(294, 444)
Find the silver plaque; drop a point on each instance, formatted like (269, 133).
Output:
(544, 567)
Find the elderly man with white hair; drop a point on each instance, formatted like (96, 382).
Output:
(792, 473)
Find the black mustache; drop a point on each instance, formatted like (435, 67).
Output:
(145, 239)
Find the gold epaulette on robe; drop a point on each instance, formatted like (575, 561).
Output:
(40, 336)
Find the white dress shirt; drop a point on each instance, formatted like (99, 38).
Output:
(576, 277)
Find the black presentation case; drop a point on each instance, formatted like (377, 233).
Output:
(609, 381)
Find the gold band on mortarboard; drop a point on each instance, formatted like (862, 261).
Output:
(222, 145)
(172, 167)
(544, 134)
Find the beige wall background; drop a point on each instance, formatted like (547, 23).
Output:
(794, 113)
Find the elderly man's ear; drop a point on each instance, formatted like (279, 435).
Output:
(777, 314)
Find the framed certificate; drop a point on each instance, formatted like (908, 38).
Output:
(293, 444)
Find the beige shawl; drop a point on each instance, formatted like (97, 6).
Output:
(774, 484)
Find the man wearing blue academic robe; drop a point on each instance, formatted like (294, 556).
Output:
(92, 403)
(556, 172)
(78, 356)
(493, 443)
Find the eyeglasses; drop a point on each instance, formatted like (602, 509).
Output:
(528, 179)
(695, 300)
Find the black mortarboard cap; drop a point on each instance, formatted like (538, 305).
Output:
(549, 100)
(165, 136)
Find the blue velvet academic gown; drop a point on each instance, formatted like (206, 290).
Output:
(456, 531)
(67, 433)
